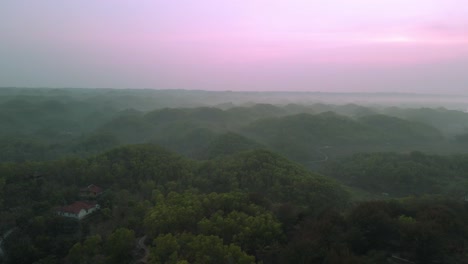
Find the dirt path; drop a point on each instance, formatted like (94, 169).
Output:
(3, 237)
(141, 244)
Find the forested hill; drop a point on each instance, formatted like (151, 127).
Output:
(256, 171)
(299, 136)
(250, 207)
(147, 184)
(50, 125)
(228, 181)
(450, 122)
(399, 175)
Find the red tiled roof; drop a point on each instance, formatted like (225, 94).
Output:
(76, 207)
(92, 188)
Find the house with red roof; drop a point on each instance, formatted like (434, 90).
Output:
(78, 210)
(92, 191)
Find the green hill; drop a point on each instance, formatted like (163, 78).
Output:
(229, 143)
(300, 136)
(271, 175)
(403, 174)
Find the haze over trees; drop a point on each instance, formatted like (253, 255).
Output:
(208, 177)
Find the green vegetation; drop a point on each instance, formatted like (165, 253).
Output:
(187, 182)
(401, 175)
(48, 124)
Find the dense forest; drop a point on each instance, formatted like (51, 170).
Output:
(205, 177)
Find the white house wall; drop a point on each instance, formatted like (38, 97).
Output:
(82, 214)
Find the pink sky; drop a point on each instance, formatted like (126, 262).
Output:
(352, 45)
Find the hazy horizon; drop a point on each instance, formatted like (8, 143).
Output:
(383, 93)
(246, 45)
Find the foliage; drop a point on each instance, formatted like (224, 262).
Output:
(231, 199)
(403, 174)
(119, 246)
(188, 248)
(229, 216)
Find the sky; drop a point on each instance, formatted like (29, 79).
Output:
(417, 46)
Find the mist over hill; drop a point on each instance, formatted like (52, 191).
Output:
(232, 177)
(149, 99)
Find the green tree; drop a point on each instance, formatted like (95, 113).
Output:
(189, 248)
(76, 254)
(119, 246)
(165, 249)
(250, 232)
